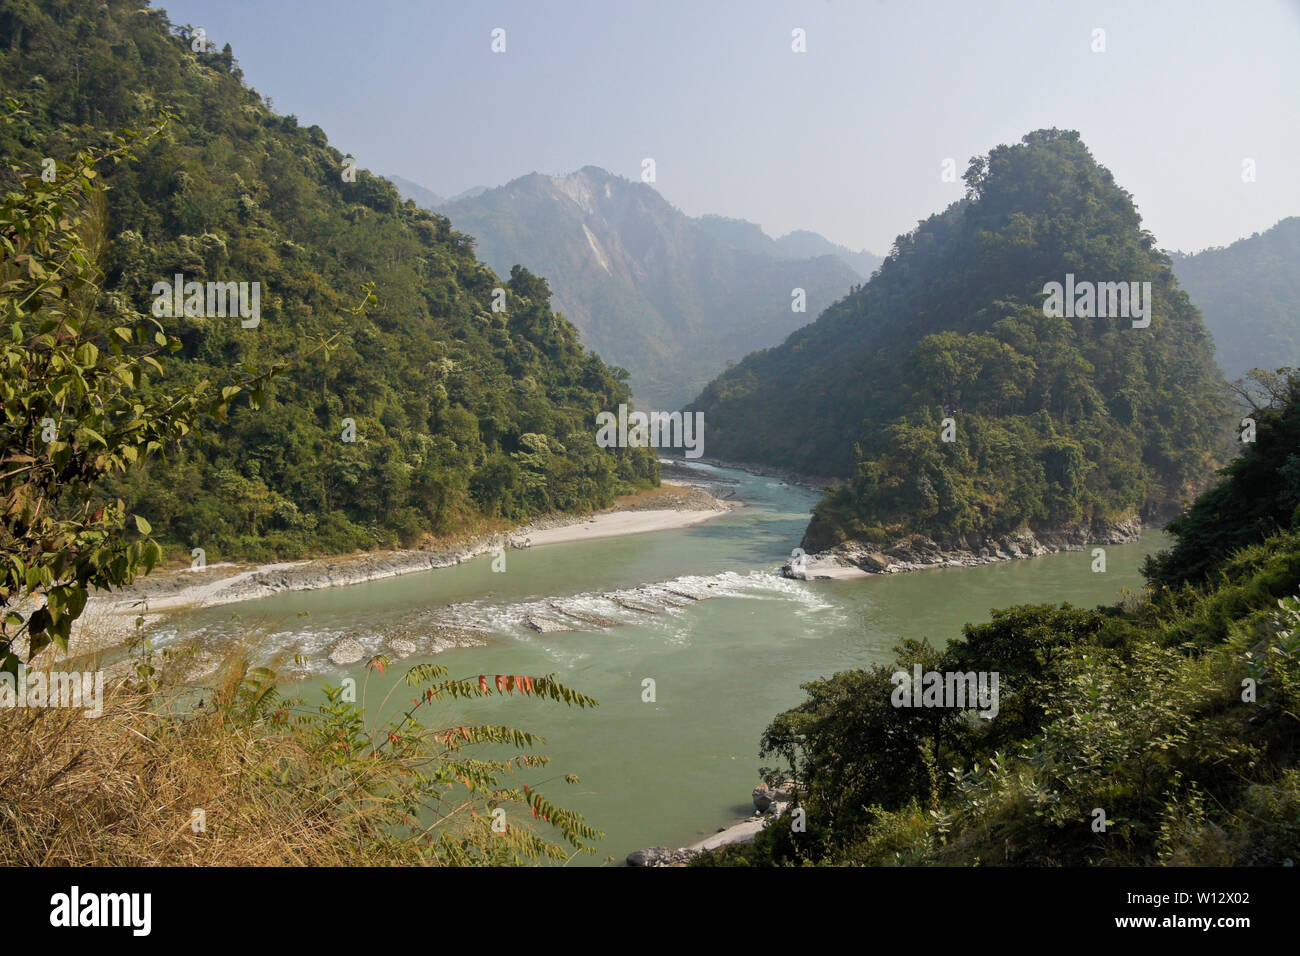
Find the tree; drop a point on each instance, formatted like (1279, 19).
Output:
(82, 401)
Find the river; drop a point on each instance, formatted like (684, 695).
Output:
(671, 771)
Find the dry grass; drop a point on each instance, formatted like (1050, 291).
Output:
(120, 789)
(278, 785)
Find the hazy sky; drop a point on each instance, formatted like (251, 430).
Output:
(847, 139)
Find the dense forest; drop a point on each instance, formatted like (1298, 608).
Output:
(462, 413)
(1249, 293)
(1056, 421)
(1175, 713)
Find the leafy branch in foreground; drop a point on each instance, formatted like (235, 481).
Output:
(82, 400)
(393, 784)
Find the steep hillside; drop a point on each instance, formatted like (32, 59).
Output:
(459, 413)
(1056, 420)
(646, 286)
(1249, 294)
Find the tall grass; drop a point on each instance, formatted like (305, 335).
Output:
(272, 782)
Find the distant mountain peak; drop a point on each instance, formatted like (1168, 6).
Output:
(648, 287)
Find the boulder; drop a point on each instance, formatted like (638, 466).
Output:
(547, 625)
(347, 651)
(765, 796)
(874, 561)
(402, 647)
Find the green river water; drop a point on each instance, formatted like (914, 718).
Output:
(669, 772)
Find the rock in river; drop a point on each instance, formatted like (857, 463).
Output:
(347, 651)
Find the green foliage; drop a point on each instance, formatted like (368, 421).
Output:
(361, 782)
(1059, 421)
(855, 747)
(85, 399)
(397, 781)
(442, 389)
(1117, 718)
(1258, 496)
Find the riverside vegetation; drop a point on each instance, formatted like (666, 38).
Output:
(472, 415)
(240, 775)
(1176, 712)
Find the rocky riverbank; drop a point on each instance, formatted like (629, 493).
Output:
(917, 552)
(769, 804)
(110, 619)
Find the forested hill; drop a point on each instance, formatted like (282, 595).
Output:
(461, 413)
(1057, 420)
(1249, 294)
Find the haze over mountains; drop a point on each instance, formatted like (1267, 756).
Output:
(672, 299)
(800, 244)
(426, 198)
(1249, 293)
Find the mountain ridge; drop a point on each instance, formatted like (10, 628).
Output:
(648, 287)
(436, 414)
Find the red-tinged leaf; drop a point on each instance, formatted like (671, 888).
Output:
(482, 683)
(501, 683)
(510, 683)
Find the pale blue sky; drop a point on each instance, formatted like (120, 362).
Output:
(846, 139)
